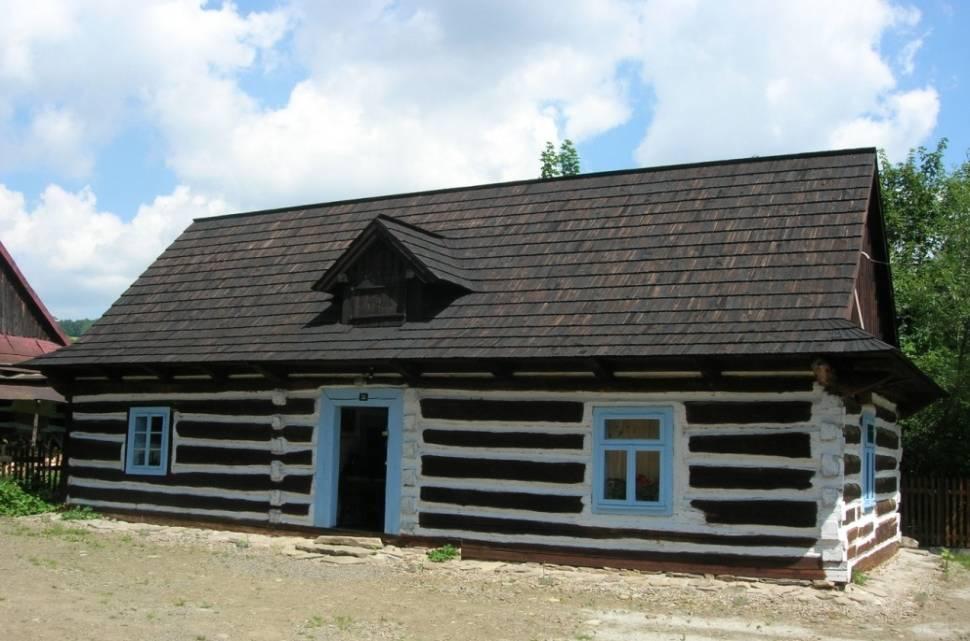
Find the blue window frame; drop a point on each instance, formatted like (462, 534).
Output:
(633, 460)
(867, 422)
(148, 441)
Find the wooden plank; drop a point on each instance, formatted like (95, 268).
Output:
(754, 478)
(715, 412)
(788, 445)
(453, 467)
(752, 512)
(549, 503)
(524, 440)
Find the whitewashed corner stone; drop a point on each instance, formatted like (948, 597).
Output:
(275, 498)
(276, 471)
(275, 516)
(830, 431)
(279, 397)
(831, 465)
(833, 554)
(278, 445)
(831, 496)
(277, 422)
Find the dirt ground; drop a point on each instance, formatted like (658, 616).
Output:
(112, 581)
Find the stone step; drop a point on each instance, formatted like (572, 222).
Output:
(335, 550)
(368, 542)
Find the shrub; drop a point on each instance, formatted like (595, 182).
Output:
(444, 553)
(15, 501)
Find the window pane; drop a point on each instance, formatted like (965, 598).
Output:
(156, 423)
(141, 424)
(156, 439)
(154, 457)
(870, 434)
(140, 443)
(614, 475)
(633, 428)
(648, 476)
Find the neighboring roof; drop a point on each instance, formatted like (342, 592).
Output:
(29, 393)
(747, 257)
(56, 334)
(432, 255)
(16, 349)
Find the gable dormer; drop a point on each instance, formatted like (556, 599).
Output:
(394, 272)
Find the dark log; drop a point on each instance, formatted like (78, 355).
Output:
(511, 411)
(714, 412)
(753, 478)
(886, 415)
(198, 455)
(243, 431)
(851, 492)
(885, 438)
(789, 445)
(550, 503)
(498, 469)
(886, 485)
(852, 464)
(82, 448)
(852, 433)
(788, 513)
(464, 438)
(885, 462)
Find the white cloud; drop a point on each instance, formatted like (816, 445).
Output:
(737, 79)
(80, 258)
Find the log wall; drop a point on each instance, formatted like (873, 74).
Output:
(762, 480)
(871, 535)
(755, 480)
(245, 455)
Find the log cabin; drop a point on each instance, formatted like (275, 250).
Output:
(690, 368)
(30, 410)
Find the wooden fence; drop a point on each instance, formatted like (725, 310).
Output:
(37, 467)
(936, 511)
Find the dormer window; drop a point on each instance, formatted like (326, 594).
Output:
(394, 272)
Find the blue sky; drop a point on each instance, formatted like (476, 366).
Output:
(120, 122)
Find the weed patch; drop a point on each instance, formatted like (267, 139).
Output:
(442, 554)
(79, 513)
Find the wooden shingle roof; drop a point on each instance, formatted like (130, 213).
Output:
(746, 257)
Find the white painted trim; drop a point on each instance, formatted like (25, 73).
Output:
(632, 545)
(649, 374)
(506, 454)
(139, 486)
(101, 416)
(263, 446)
(75, 463)
(95, 436)
(300, 420)
(289, 470)
(176, 511)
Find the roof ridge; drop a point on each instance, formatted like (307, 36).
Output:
(532, 181)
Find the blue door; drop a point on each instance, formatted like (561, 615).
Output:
(358, 473)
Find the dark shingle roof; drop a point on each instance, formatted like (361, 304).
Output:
(755, 256)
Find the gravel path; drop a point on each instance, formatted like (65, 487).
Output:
(111, 580)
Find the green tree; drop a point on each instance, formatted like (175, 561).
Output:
(549, 161)
(568, 158)
(927, 210)
(565, 162)
(75, 328)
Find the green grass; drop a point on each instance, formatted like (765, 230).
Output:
(860, 578)
(15, 501)
(442, 554)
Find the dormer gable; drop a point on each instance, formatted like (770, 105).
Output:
(394, 272)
